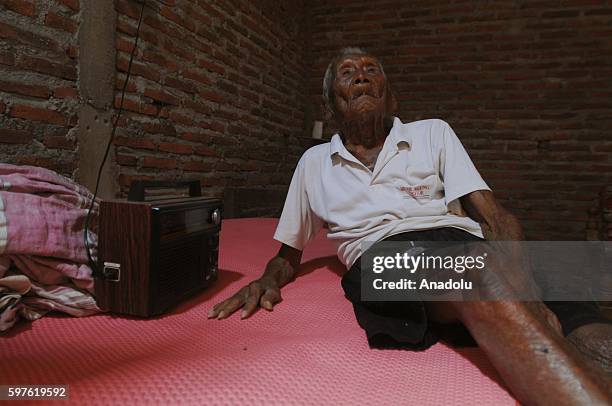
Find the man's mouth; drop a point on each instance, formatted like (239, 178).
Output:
(363, 93)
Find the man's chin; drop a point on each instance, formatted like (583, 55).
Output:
(365, 113)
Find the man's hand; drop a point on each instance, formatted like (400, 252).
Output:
(265, 291)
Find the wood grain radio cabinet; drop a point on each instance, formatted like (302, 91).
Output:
(154, 254)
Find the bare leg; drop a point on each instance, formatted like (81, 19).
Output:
(534, 360)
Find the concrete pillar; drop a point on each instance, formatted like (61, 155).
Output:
(97, 89)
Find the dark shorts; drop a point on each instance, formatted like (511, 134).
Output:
(405, 325)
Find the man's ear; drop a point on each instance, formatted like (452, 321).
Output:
(392, 104)
(328, 113)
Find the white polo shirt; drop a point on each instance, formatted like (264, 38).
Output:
(420, 173)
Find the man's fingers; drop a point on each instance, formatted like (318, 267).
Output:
(249, 298)
(254, 293)
(270, 298)
(229, 306)
(216, 309)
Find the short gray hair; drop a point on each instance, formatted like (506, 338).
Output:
(330, 72)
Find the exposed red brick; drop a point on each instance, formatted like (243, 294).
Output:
(213, 67)
(136, 106)
(179, 84)
(599, 12)
(213, 180)
(175, 148)
(58, 141)
(196, 106)
(9, 136)
(65, 71)
(120, 83)
(172, 47)
(25, 89)
(133, 142)
(155, 22)
(561, 14)
(164, 112)
(172, 16)
(128, 8)
(7, 58)
(197, 166)
(160, 128)
(162, 96)
(196, 137)
(181, 119)
(65, 93)
(159, 163)
(249, 166)
(217, 126)
(149, 109)
(211, 95)
(37, 114)
(225, 166)
(124, 45)
(60, 166)
(193, 75)
(150, 37)
(127, 160)
(72, 4)
(22, 7)
(72, 51)
(60, 22)
(138, 69)
(202, 47)
(26, 37)
(160, 60)
(126, 28)
(204, 19)
(205, 151)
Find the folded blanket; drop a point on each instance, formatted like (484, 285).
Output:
(42, 217)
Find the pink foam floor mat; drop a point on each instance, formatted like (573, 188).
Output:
(309, 350)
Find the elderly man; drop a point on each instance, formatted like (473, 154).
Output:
(379, 179)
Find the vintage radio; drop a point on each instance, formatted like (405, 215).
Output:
(154, 254)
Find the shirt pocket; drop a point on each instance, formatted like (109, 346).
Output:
(419, 190)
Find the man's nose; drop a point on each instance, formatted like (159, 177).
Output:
(360, 78)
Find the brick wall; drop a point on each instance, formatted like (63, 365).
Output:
(38, 74)
(527, 86)
(217, 93)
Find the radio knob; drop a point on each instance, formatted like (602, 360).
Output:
(216, 217)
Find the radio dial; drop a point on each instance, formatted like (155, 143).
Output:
(216, 217)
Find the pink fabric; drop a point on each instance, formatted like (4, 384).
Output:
(42, 217)
(309, 350)
(43, 182)
(50, 271)
(42, 213)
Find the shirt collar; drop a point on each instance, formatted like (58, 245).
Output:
(397, 134)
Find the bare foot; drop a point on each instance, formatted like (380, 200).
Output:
(594, 342)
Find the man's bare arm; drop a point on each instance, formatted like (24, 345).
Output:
(265, 291)
(497, 223)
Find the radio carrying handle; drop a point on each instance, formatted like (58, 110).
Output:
(138, 187)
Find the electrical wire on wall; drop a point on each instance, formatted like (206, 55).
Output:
(92, 264)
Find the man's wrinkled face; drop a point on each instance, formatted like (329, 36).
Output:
(359, 88)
